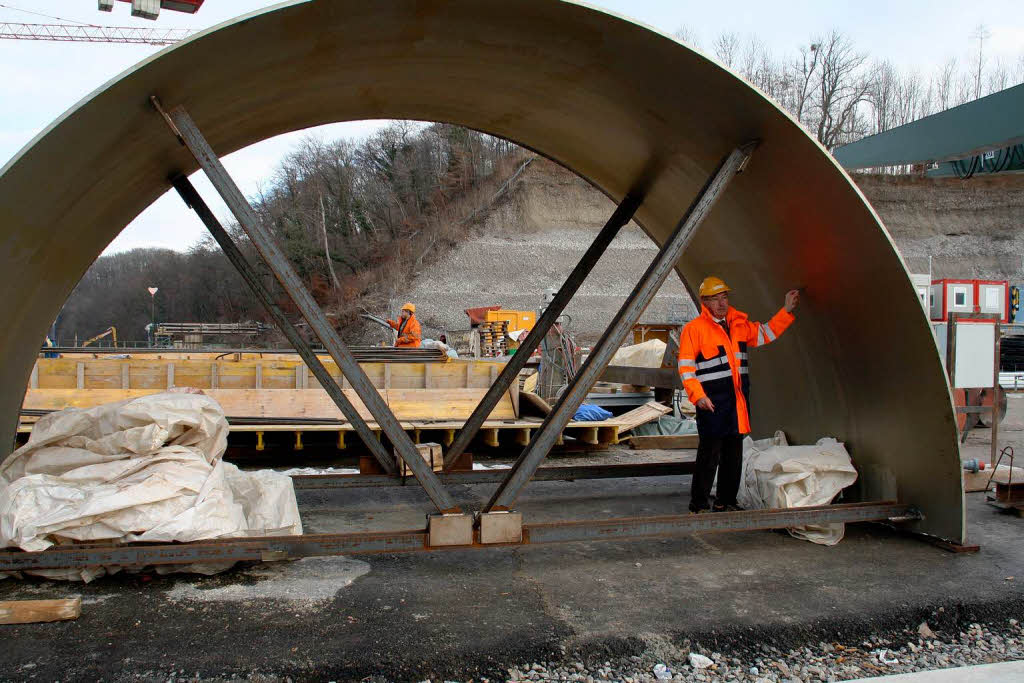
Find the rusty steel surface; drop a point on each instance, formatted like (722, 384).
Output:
(409, 540)
(623, 106)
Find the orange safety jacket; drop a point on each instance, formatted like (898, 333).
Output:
(409, 333)
(714, 365)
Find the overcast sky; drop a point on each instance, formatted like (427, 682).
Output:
(43, 79)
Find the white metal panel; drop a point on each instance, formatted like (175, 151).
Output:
(992, 298)
(959, 298)
(935, 303)
(974, 365)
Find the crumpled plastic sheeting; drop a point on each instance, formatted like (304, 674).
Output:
(143, 470)
(648, 354)
(777, 475)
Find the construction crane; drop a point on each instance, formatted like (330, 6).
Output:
(150, 9)
(72, 31)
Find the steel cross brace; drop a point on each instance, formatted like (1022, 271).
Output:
(195, 202)
(528, 462)
(185, 129)
(510, 373)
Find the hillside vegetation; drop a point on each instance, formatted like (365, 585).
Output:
(355, 219)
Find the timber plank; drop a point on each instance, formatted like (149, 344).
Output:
(38, 611)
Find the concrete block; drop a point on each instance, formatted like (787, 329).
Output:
(431, 454)
(501, 527)
(450, 530)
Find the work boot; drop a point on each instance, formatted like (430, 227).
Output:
(727, 508)
(698, 511)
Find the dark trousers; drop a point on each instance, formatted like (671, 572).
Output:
(722, 453)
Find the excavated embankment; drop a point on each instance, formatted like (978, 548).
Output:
(529, 239)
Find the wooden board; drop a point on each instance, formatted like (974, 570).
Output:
(240, 371)
(407, 404)
(37, 611)
(665, 442)
(648, 412)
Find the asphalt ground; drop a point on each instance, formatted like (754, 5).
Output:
(459, 615)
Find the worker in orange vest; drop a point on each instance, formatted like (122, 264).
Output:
(409, 333)
(713, 367)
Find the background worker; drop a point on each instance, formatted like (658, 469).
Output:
(409, 333)
(713, 365)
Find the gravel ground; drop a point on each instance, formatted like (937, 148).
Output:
(904, 651)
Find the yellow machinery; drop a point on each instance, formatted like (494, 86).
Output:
(517, 320)
(109, 332)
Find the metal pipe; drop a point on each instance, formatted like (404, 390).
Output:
(344, 481)
(316, 545)
(624, 320)
(182, 125)
(510, 373)
(194, 201)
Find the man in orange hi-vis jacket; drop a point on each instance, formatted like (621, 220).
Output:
(409, 333)
(713, 367)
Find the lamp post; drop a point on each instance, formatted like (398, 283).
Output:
(152, 314)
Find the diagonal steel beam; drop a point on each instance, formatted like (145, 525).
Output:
(510, 373)
(182, 125)
(195, 202)
(628, 314)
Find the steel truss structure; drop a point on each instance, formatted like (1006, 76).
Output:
(513, 480)
(667, 158)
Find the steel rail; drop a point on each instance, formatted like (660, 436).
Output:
(194, 201)
(182, 125)
(572, 473)
(627, 316)
(317, 545)
(510, 373)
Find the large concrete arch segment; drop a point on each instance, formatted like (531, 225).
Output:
(616, 102)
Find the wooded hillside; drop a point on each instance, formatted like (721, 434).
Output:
(356, 221)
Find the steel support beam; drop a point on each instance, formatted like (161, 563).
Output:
(195, 202)
(182, 125)
(510, 373)
(316, 545)
(624, 320)
(344, 481)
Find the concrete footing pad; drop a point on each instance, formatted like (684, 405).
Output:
(1003, 672)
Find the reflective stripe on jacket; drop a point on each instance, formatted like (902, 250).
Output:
(409, 333)
(715, 365)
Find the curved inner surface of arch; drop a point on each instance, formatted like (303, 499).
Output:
(624, 107)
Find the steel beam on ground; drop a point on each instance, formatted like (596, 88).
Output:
(344, 481)
(195, 202)
(182, 125)
(510, 373)
(623, 322)
(314, 545)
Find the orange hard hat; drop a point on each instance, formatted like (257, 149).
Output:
(713, 285)
(409, 306)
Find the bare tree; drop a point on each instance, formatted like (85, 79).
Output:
(981, 34)
(998, 77)
(688, 35)
(882, 95)
(840, 87)
(726, 48)
(945, 83)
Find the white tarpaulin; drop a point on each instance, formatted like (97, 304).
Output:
(648, 354)
(143, 470)
(777, 475)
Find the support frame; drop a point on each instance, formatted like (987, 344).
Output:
(655, 275)
(184, 128)
(194, 201)
(622, 215)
